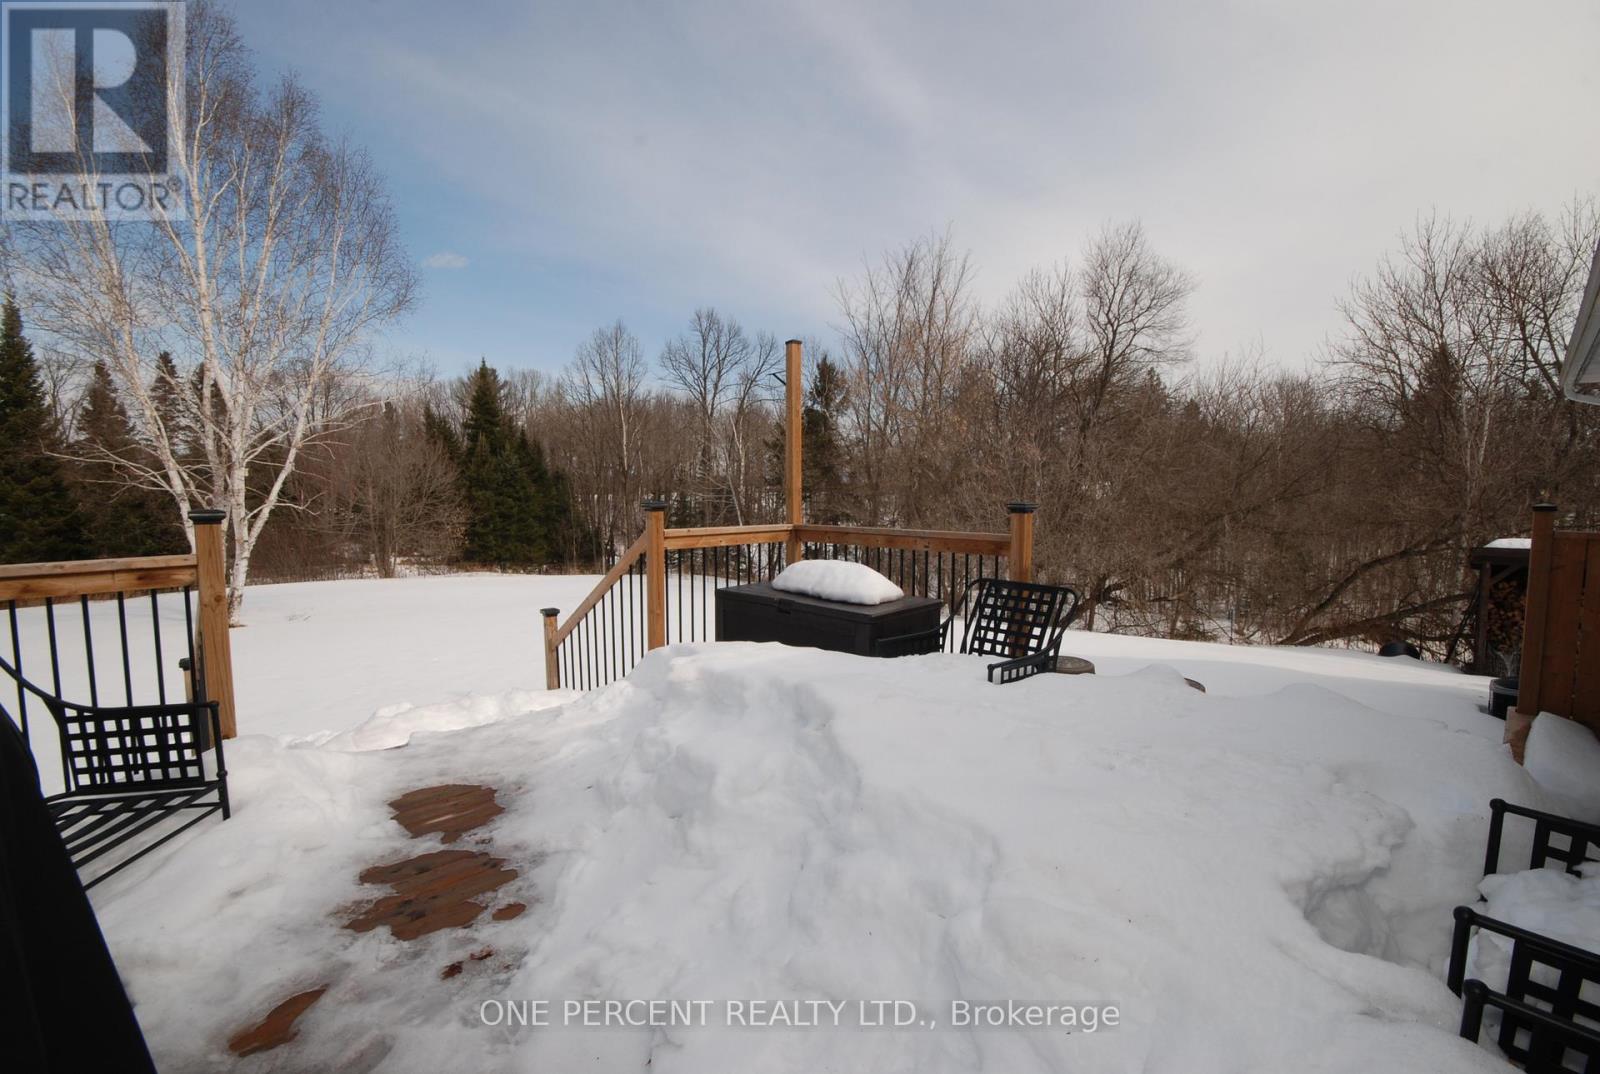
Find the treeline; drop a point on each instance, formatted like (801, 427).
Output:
(1237, 500)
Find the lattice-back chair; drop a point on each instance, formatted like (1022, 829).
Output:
(1021, 621)
(1549, 1017)
(127, 769)
(1546, 1023)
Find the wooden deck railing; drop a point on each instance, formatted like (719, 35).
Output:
(635, 608)
(30, 591)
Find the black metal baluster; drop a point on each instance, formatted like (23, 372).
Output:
(161, 671)
(604, 626)
(627, 617)
(196, 672)
(680, 598)
(16, 662)
(55, 651)
(127, 668)
(88, 651)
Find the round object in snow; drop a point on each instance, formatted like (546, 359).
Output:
(1073, 665)
(1401, 648)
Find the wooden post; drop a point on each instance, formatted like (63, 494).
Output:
(552, 672)
(1480, 629)
(794, 390)
(216, 653)
(1535, 612)
(1019, 561)
(655, 568)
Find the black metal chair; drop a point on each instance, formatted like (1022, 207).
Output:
(1021, 621)
(127, 769)
(1542, 1025)
(1546, 1027)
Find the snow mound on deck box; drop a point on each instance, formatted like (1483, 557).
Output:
(837, 579)
(740, 822)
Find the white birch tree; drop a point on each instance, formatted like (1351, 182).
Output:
(266, 289)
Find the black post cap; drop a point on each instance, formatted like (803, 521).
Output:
(549, 613)
(1544, 507)
(654, 505)
(208, 517)
(1022, 507)
(789, 341)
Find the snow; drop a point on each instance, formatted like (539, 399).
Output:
(1550, 902)
(1259, 877)
(1510, 542)
(1564, 756)
(837, 579)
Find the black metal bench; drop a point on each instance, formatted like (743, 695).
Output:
(127, 769)
(1021, 621)
(1546, 1027)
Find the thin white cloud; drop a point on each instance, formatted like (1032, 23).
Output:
(1274, 149)
(445, 259)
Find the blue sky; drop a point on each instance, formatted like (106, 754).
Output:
(565, 164)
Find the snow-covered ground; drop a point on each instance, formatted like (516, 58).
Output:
(1259, 877)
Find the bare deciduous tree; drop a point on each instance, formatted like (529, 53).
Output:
(265, 290)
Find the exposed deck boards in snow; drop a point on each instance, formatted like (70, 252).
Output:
(450, 809)
(433, 891)
(277, 1027)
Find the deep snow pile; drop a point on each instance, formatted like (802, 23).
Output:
(1258, 878)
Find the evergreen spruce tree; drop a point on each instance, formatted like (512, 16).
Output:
(824, 468)
(825, 473)
(166, 390)
(122, 517)
(519, 511)
(501, 478)
(39, 519)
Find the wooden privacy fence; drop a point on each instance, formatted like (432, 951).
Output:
(79, 626)
(1561, 625)
(662, 589)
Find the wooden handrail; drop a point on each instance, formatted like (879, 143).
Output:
(618, 569)
(96, 577)
(976, 544)
(94, 566)
(726, 536)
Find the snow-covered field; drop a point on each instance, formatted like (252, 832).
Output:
(1259, 877)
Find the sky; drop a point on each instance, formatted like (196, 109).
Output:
(556, 166)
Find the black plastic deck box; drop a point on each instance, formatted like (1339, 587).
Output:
(760, 613)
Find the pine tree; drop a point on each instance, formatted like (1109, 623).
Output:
(39, 519)
(519, 510)
(823, 464)
(166, 392)
(122, 517)
(501, 478)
